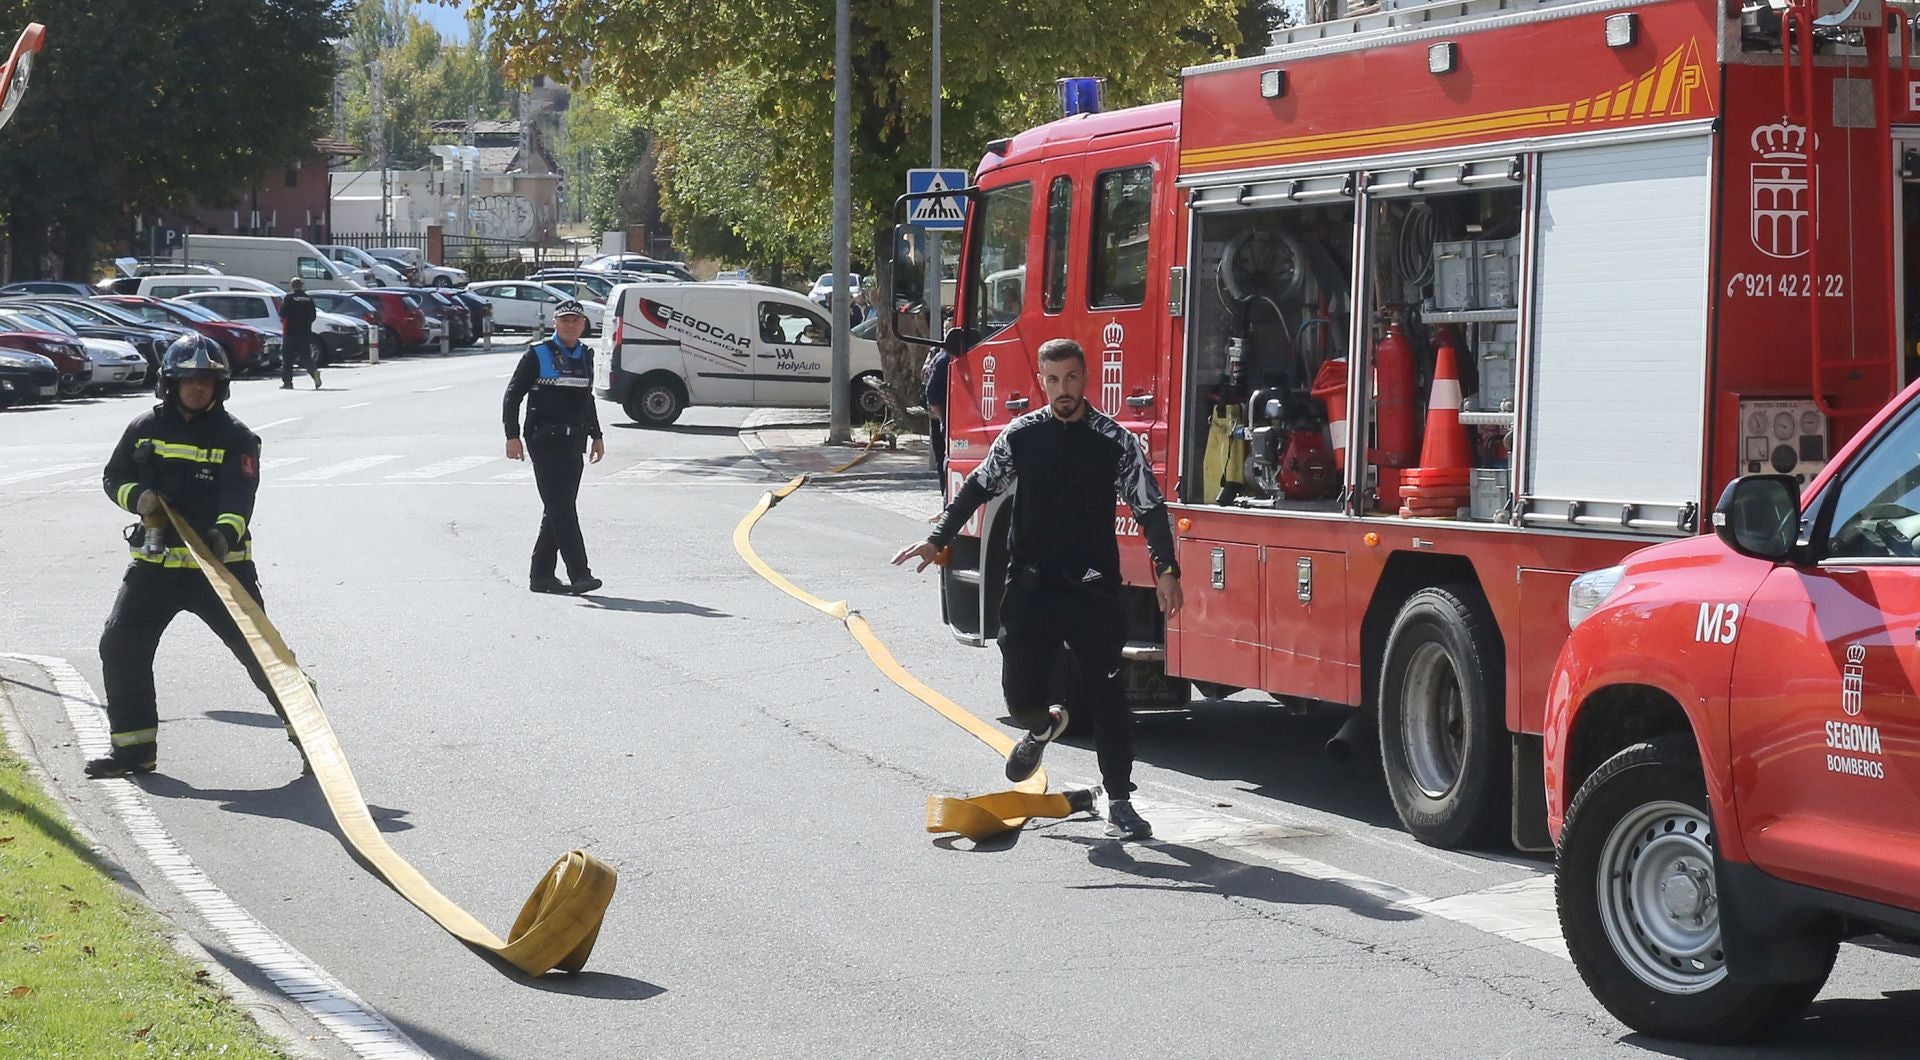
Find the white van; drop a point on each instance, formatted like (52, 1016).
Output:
(275, 259)
(194, 283)
(679, 344)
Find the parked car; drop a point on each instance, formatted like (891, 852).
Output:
(582, 283)
(365, 268)
(26, 377)
(19, 332)
(403, 322)
(426, 273)
(679, 344)
(528, 305)
(452, 311)
(350, 304)
(92, 322)
(97, 308)
(637, 263)
(80, 290)
(276, 259)
(115, 363)
(478, 309)
(823, 287)
(175, 285)
(409, 274)
(246, 347)
(584, 290)
(339, 338)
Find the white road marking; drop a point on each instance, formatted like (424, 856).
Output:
(358, 1025)
(8, 478)
(443, 468)
(277, 423)
(268, 463)
(355, 405)
(518, 474)
(346, 467)
(434, 389)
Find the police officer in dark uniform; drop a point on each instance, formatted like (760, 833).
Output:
(298, 311)
(206, 464)
(555, 378)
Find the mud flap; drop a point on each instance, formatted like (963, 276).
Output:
(1530, 793)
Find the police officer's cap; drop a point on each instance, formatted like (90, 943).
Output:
(570, 307)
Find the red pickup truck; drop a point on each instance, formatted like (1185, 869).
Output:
(1733, 746)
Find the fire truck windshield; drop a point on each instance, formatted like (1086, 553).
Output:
(997, 264)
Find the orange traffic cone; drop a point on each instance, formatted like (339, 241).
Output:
(1439, 486)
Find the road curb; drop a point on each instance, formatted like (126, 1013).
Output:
(263, 1009)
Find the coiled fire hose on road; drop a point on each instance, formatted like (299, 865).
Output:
(978, 818)
(557, 927)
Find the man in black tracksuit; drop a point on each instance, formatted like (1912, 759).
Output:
(206, 464)
(298, 311)
(555, 378)
(1063, 571)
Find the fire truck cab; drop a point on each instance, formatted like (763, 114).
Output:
(1426, 312)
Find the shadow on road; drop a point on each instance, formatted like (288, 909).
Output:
(653, 607)
(1843, 1027)
(298, 800)
(251, 719)
(682, 428)
(602, 986)
(1196, 870)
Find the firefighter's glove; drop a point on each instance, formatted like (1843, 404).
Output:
(221, 541)
(148, 505)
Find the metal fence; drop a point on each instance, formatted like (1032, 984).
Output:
(369, 240)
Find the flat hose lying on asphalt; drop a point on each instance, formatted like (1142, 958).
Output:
(559, 923)
(977, 818)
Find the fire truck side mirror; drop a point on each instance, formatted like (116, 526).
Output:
(909, 302)
(1759, 516)
(955, 342)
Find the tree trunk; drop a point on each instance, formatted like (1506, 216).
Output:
(901, 361)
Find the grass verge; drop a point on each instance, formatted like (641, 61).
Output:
(84, 968)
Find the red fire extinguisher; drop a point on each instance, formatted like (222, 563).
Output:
(1396, 410)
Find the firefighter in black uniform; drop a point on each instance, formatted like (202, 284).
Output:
(206, 464)
(298, 311)
(555, 378)
(1063, 571)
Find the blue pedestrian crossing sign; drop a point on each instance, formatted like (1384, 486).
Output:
(935, 214)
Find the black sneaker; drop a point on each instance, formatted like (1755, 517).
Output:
(286, 384)
(113, 766)
(1025, 757)
(547, 585)
(584, 585)
(1123, 823)
(315, 373)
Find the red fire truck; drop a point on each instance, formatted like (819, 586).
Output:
(1424, 313)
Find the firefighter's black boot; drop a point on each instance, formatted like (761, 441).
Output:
(143, 760)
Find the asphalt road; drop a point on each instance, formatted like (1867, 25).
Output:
(757, 783)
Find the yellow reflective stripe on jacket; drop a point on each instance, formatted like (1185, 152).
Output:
(183, 451)
(124, 494)
(136, 737)
(181, 557)
(235, 520)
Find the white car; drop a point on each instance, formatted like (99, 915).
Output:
(823, 287)
(342, 337)
(363, 266)
(430, 275)
(115, 363)
(529, 304)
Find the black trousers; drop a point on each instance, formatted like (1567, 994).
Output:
(150, 596)
(557, 465)
(1038, 618)
(937, 444)
(296, 346)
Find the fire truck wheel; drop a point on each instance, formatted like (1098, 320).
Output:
(870, 398)
(656, 401)
(1639, 908)
(1443, 734)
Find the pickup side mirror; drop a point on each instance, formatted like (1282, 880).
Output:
(1759, 516)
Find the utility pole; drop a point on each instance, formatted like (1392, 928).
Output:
(840, 422)
(377, 131)
(932, 299)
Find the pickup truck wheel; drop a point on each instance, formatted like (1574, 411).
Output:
(1639, 903)
(1443, 734)
(656, 401)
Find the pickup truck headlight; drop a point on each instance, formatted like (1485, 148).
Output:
(1589, 591)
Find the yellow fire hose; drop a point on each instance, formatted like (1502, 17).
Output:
(559, 923)
(977, 818)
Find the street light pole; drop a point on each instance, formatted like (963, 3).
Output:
(840, 418)
(933, 238)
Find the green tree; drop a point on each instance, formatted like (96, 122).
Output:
(425, 78)
(999, 68)
(137, 106)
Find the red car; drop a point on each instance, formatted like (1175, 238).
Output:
(403, 323)
(245, 345)
(76, 368)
